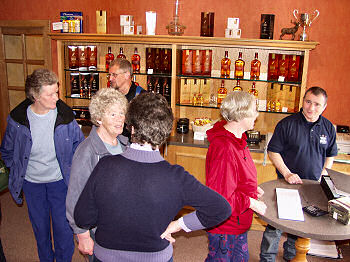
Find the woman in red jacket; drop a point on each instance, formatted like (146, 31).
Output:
(230, 171)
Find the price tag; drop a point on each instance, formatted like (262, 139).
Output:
(150, 71)
(281, 79)
(198, 136)
(57, 26)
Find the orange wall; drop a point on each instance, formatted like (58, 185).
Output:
(328, 62)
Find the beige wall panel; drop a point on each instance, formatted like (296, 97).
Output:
(34, 47)
(13, 47)
(31, 68)
(15, 74)
(16, 97)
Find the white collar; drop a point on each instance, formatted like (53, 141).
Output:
(145, 147)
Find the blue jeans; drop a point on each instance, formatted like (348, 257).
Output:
(228, 248)
(269, 245)
(46, 202)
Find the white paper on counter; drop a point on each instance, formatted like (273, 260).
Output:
(289, 204)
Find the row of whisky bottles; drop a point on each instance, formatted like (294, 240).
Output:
(222, 91)
(158, 60)
(281, 67)
(272, 105)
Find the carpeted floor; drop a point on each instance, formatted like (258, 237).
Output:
(19, 243)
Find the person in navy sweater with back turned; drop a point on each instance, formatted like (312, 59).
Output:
(133, 197)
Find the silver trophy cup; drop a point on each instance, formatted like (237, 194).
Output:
(305, 21)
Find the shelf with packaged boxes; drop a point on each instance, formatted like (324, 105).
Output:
(276, 88)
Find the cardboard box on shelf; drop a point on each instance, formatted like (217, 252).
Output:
(185, 91)
(72, 22)
(205, 85)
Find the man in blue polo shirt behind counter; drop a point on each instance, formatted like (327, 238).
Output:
(302, 146)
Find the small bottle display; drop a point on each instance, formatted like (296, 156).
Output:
(73, 57)
(187, 62)
(196, 62)
(206, 62)
(255, 93)
(222, 92)
(283, 65)
(109, 57)
(225, 66)
(166, 61)
(255, 68)
(92, 55)
(121, 53)
(293, 72)
(239, 67)
(272, 71)
(135, 61)
(237, 87)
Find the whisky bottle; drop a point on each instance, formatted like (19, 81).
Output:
(196, 65)
(255, 68)
(109, 57)
(134, 80)
(92, 57)
(166, 90)
(239, 67)
(135, 61)
(73, 57)
(222, 92)
(293, 72)
(187, 62)
(166, 61)
(225, 66)
(255, 93)
(278, 106)
(159, 89)
(150, 87)
(83, 58)
(283, 66)
(149, 58)
(121, 53)
(206, 63)
(272, 71)
(157, 68)
(237, 87)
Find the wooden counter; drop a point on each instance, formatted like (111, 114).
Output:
(189, 153)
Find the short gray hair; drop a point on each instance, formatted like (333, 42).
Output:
(238, 105)
(103, 100)
(35, 81)
(123, 65)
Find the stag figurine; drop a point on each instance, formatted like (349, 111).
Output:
(290, 30)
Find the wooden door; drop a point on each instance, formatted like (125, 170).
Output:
(24, 47)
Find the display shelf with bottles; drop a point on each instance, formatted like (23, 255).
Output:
(205, 67)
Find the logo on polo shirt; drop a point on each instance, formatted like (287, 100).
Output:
(323, 139)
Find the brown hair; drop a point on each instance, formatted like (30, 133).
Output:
(38, 79)
(151, 118)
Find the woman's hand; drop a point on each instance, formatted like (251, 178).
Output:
(257, 206)
(173, 227)
(86, 244)
(260, 192)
